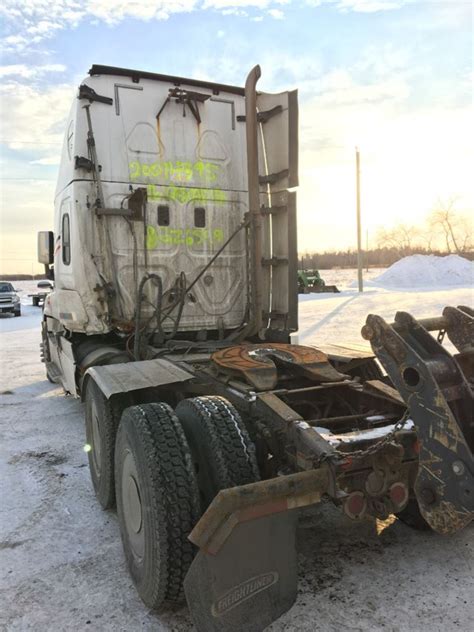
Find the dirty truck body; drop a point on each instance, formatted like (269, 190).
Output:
(175, 297)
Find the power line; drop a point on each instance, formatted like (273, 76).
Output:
(28, 179)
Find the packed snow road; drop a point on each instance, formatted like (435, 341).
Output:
(61, 565)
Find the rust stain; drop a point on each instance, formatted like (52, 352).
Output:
(446, 519)
(158, 138)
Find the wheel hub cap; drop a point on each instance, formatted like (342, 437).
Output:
(132, 506)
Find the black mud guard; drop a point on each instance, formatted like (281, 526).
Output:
(250, 582)
(440, 403)
(245, 573)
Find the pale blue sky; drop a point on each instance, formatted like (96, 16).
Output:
(392, 76)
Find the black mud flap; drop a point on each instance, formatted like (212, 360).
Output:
(250, 581)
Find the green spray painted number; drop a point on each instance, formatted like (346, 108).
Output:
(178, 171)
(183, 195)
(167, 236)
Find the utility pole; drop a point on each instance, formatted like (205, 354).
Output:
(367, 250)
(359, 237)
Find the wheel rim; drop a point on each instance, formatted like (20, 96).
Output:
(132, 506)
(96, 445)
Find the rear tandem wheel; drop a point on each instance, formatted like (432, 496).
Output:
(102, 417)
(157, 501)
(223, 453)
(45, 354)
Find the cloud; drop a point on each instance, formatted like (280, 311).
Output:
(276, 14)
(51, 160)
(370, 6)
(37, 20)
(30, 72)
(235, 11)
(361, 6)
(27, 24)
(33, 117)
(31, 22)
(338, 88)
(113, 11)
(225, 4)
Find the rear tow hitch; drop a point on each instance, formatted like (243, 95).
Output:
(440, 400)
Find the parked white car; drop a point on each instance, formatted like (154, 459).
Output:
(9, 299)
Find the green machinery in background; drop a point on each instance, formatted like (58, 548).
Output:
(311, 281)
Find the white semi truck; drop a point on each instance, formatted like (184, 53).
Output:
(175, 267)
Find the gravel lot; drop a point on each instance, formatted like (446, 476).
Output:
(61, 565)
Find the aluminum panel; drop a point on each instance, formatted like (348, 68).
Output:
(133, 376)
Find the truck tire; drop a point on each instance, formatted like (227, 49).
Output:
(223, 454)
(102, 418)
(157, 501)
(49, 376)
(45, 353)
(411, 516)
(17, 312)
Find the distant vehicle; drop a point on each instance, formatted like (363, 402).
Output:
(38, 298)
(9, 299)
(311, 281)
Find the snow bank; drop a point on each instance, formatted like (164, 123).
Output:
(426, 271)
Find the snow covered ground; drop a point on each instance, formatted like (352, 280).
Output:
(61, 565)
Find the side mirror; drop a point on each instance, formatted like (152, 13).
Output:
(45, 285)
(46, 251)
(46, 247)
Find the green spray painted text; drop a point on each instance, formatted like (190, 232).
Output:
(178, 171)
(183, 195)
(165, 235)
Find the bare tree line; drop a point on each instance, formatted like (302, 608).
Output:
(445, 231)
